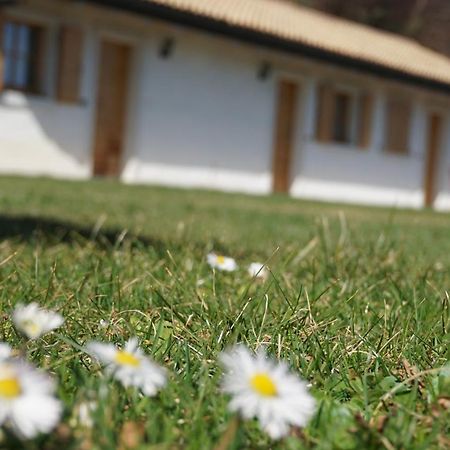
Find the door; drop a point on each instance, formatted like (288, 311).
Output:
(111, 108)
(432, 158)
(284, 135)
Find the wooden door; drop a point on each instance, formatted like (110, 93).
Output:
(111, 108)
(284, 135)
(432, 158)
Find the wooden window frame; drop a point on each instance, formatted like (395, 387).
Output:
(359, 121)
(37, 59)
(350, 130)
(366, 107)
(324, 113)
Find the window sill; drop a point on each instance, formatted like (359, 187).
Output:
(20, 99)
(17, 98)
(341, 146)
(396, 154)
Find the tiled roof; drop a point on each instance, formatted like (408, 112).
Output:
(300, 25)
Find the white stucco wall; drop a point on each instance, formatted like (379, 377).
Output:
(343, 173)
(40, 137)
(203, 118)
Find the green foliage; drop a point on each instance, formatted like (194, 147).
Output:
(356, 303)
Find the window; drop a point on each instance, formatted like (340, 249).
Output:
(397, 124)
(343, 116)
(342, 120)
(22, 46)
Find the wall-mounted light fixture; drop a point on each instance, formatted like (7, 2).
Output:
(166, 48)
(264, 71)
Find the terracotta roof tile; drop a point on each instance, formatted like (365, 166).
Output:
(298, 24)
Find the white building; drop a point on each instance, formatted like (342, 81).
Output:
(242, 95)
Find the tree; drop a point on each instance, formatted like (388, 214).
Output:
(427, 21)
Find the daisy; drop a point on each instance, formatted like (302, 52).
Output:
(103, 323)
(265, 389)
(258, 270)
(130, 366)
(27, 403)
(34, 321)
(221, 262)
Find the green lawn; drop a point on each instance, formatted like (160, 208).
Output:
(356, 303)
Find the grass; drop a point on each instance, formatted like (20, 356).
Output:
(356, 303)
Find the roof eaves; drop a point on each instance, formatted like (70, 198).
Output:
(245, 34)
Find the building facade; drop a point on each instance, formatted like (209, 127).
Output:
(102, 89)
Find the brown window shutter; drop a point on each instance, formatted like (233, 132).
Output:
(398, 117)
(365, 120)
(325, 114)
(70, 63)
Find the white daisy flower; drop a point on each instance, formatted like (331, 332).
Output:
(5, 351)
(265, 389)
(258, 270)
(130, 366)
(221, 262)
(103, 323)
(27, 403)
(34, 321)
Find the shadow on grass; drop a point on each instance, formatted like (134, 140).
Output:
(53, 231)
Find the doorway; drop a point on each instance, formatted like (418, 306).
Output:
(434, 140)
(112, 99)
(284, 136)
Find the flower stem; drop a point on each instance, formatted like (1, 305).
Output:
(229, 436)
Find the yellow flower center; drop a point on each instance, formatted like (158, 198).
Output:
(9, 388)
(126, 359)
(31, 328)
(220, 259)
(263, 385)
